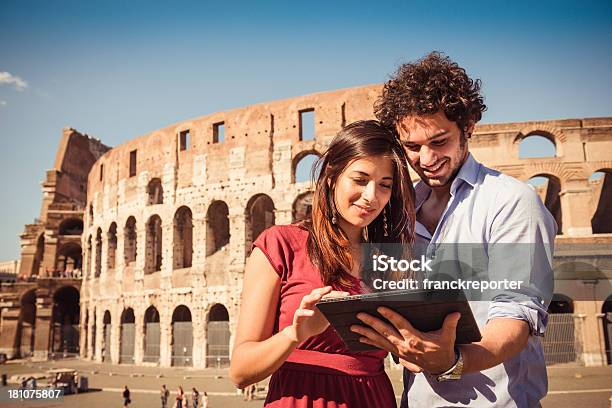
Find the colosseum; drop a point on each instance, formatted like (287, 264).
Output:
(167, 220)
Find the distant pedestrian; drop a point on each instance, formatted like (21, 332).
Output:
(180, 396)
(195, 398)
(250, 392)
(205, 400)
(164, 394)
(126, 397)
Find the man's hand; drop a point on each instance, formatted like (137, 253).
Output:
(431, 351)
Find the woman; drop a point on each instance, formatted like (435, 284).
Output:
(180, 396)
(362, 194)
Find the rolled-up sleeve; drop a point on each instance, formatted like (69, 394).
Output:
(521, 249)
(531, 312)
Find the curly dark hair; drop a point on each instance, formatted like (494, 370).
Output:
(424, 87)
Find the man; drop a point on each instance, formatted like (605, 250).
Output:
(126, 397)
(164, 394)
(195, 398)
(433, 105)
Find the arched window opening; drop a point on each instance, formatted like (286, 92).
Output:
(153, 253)
(129, 241)
(183, 238)
(304, 167)
(155, 192)
(536, 146)
(548, 187)
(217, 227)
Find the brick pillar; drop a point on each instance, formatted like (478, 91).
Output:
(575, 209)
(44, 320)
(99, 335)
(165, 327)
(84, 329)
(199, 337)
(115, 336)
(49, 260)
(588, 328)
(139, 336)
(10, 325)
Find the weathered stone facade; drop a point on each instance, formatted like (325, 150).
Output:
(37, 314)
(170, 218)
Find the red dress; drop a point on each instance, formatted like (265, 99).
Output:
(321, 372)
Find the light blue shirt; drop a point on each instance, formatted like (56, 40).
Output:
(496, 212)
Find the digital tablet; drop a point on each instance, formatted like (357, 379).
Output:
(425, 310)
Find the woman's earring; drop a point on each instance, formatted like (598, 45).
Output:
(385, 228)
(334, 220)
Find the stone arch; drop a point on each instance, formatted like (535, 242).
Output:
(601, 222)
(106, 336)
(218, 336)
(129, 241)
(127, 337)
(183, 238)
(217, 227)
(182, 337)
(111, 252)
(548, 187)
(259, 215)
(302, 207)
(153, 249)
(71, 226)
(561, 304)
(65, 321)
(152, 335)
(69, 259)
(27, 323)
(98, 268)
(90, 214)
(155, 192)
(559, 342)
(537, 146)
(552, 133)
(303, 165)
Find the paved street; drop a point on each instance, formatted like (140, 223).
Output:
(570, 386)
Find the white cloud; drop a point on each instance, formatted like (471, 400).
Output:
(2, 103)
(8, 79)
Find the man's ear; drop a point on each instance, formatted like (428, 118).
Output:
(469, 129)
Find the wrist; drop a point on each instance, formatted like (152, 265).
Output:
(452, 360)
(290, 333)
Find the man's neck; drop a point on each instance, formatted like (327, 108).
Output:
(441, 193)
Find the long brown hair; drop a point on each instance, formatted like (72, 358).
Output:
(328, 245)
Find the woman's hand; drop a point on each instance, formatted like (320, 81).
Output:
(308, 320)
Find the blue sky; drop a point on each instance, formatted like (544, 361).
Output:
(119, 69)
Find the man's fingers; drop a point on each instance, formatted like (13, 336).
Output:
(411, 366)
(381, 327)
(401, 324)
(449, 327)
(377, 340)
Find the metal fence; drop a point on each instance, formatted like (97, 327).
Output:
(560, 343)
(128, 338)
(217, 354)
(151, 344)
(106, 356)
(182, 344)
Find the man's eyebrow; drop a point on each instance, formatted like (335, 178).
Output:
(437, 135)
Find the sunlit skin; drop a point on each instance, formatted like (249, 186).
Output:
(361, 193)
(434, 148)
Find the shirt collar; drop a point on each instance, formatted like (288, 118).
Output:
(468, 173)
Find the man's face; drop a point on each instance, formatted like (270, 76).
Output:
(434, 147)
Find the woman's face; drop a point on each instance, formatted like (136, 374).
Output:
(362, 191)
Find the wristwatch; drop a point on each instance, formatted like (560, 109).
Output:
(453, 373)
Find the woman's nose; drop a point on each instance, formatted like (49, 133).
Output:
(369, 193)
